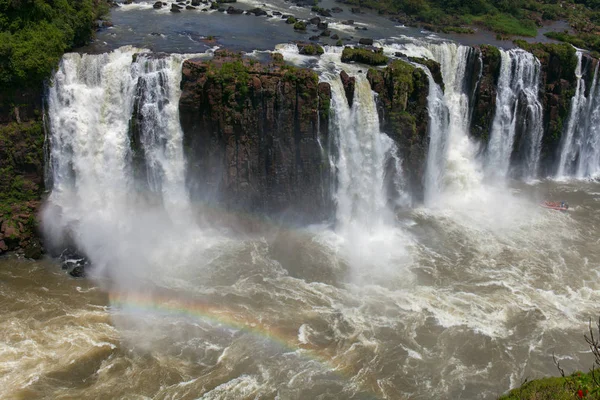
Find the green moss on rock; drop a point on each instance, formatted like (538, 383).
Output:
(21, 184)
(365, 56)
(300, 26)
(310, 49)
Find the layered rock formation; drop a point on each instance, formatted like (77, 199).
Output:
(484, 98)
(402, 90)
(256, 136)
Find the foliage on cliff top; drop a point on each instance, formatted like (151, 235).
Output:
(554, 388)
(578, 385)
(21, 161)
(510, 17)
(565, 53)
(364, 56)
(34, 34)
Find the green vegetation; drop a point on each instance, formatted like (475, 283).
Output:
(547, 52)
(34, 34)
(457, 29)
(311, 50)
(21, 151)
(291, 20)
(232, 75)
(506, 24)
(300, 26)
(506, 17)
(364, 56)
(578, 385)
(582, 40)
(554, 388)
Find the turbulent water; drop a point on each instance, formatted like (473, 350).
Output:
(463, 297)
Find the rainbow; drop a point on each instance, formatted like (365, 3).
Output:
(170, 305)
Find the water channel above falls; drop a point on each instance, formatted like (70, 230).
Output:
(138, 24)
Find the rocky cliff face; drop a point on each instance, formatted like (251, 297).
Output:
(484, 99)
(403, 90)
(21, 171)
(558, 84)
(256, 136)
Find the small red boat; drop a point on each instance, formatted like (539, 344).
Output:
(554, 205)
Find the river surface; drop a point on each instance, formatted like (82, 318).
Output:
(485, 290)
(138, 24)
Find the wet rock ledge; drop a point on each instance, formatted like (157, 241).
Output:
(256, 136)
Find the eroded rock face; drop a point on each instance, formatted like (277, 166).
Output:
(256, 136)
(484, 99)
(403, 90)
(21, 171)
(558, 84)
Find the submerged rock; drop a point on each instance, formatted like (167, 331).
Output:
(73, 262)
(349, 86)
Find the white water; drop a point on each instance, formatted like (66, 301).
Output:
(362, 152)
(364, 220)
(436, 155)
(578, 103)
(518, 82)
(589, 159)
(96, 201)
(452, 168)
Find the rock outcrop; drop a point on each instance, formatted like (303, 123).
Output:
(256, 136)
(403, 90)
(21, 171)
(484, 98)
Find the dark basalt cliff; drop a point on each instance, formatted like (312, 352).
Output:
(558, 84)
(21, 170)
(256, 136)
(484, 99)
(403, 90)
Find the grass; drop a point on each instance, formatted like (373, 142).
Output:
(505, 24)
(554, 388)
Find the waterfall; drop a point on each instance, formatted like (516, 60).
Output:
(105, 111)
(580, 144)
(438, 123)
(518, 113)
(362, 155)
(589, 159)
(569, 146)
(461, 171)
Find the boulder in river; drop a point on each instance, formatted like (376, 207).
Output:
(158, 5)
(235, 11)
